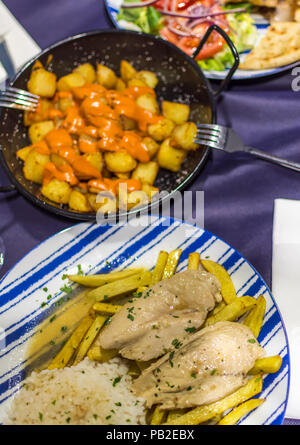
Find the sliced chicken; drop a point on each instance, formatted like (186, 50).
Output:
(145, 328)
(210, 365)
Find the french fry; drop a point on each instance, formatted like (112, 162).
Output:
(232, 311)
(227, 288)
(206, 412)
(101, 279)
(194, 261)
(89, 338)
(172, 262)
(98, 354)
(159, 268)
(66, 353)
(175, 413)
(218, 308)
(120, 287)
(266, 365)
(157, 416)
(255, 318)
(240, 411)
(105, 308)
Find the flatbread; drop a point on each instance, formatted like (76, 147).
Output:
(280, 46)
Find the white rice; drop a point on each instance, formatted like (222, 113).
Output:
(89, 393)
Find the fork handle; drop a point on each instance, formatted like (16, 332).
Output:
(271, 158)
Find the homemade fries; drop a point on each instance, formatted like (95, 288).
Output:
(85, 339)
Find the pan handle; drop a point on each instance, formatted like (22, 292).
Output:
(233, 49)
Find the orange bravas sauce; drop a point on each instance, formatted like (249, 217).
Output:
(93, 123)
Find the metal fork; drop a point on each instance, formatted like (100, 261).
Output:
(226, 139)
(18, 99)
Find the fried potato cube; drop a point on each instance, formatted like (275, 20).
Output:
(178, 113)
(148, 77)
(106, 77)
(87, 71)
(184, 136)
(57, 191)
(169, 157)
(127, 71)
(34, 166)
(146, 172)
(72, 80)
(136, 83)
(150, 190)
(148, 102)
(31, 118)
(78, 201)
(120, 162)
(161, 130)
(128, 123)
(57, 160)
(38, 131)
(136, 198)
(64, 103)
(151, 145)
(120, 85)
(96, 159)
(42, 83)
(24, 152)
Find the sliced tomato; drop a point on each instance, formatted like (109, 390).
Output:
(214, 44)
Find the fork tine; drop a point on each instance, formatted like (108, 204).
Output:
(209, 127)
(23, 92)
(207, 133)
(16, 106)
(208, 143)
(8, 95)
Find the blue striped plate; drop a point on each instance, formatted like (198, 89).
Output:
(113, 7)
(95, 248)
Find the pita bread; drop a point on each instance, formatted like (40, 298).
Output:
(280, 46)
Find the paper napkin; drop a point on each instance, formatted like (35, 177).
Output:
(21, 46)
(286, 287)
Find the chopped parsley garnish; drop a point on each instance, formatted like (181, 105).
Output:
(176, 343)
(45, 289)
(95, 416)
(118, 404)
(66, 289)
(41, 416)
(194, 375)
(190, 330)
(116, 381)
(252, 340)
(79, 270)
(213, 372)
(52, 318)
(131, 317)
(63, 328)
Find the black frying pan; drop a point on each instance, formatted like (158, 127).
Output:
(180, 79)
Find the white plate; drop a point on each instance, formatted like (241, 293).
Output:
(113, 7)
(92, 247)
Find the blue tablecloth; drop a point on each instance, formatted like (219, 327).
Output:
(239, 190)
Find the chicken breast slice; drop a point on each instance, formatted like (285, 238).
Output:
(213, 363)
(148, 325)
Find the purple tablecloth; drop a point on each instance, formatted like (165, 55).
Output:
(239, 190)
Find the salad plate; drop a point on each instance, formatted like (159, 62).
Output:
(247, 31)
(24, 305)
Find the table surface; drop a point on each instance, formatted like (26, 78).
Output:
(239, 190)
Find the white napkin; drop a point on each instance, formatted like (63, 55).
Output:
(21, 46)
(286, 287)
